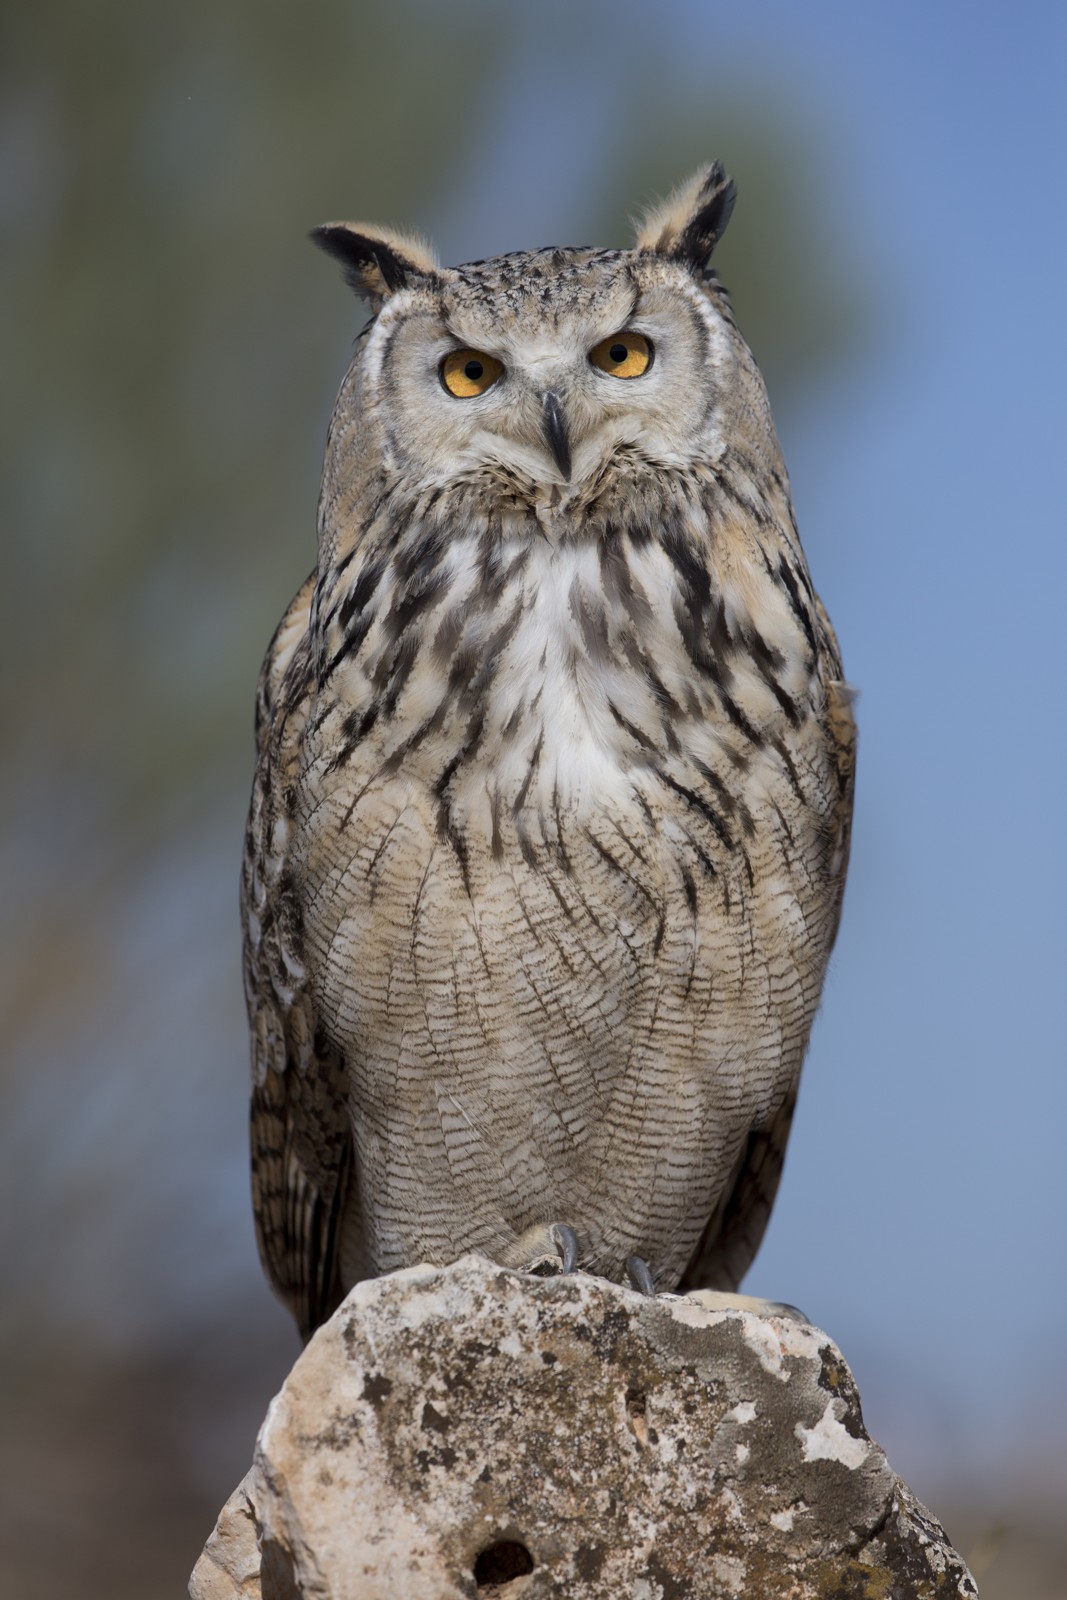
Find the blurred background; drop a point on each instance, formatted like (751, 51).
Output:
(172, 346)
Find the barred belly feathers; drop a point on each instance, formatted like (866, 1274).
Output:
(550, 821)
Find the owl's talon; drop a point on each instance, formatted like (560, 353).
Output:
(719, 1300)
(566, 1241)
(546, 1250)
(640, 1275)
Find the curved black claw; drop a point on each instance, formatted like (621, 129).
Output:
(566, 1242)
(547, 1250)
(640, 1275)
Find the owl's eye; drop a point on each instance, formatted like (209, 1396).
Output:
(624, 355)
(469, 372)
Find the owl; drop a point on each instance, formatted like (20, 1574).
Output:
(551, 814)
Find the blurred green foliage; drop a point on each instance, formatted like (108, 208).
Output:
(169, 351)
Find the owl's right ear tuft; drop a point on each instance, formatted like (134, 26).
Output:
(689, 224)
(377, 261)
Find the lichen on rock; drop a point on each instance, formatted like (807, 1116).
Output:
(469, 1431)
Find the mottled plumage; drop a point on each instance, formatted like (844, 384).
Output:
(550, 821)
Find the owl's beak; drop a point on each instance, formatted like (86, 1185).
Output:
(556, 436)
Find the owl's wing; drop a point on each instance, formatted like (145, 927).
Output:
(841, 726)
(300, 1132)
(732, 1237)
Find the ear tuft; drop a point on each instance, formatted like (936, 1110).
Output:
(688, 225)
(377, 261)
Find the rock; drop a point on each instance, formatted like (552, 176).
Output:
(229, 1568)
(467, 1431)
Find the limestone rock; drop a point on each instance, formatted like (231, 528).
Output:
(229, 1568)
(467, 1431)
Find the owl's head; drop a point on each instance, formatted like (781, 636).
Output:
(533, 373)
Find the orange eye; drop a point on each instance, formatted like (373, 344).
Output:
(624, 355)
(469, 372)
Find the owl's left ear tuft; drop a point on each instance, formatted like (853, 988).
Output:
(377, 261)
(689, 224)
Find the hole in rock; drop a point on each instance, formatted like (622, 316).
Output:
(500, 1562)
(637, 1412)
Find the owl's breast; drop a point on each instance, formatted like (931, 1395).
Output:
(577, 904)
(596, 763)
(565, 865)
(525, 994)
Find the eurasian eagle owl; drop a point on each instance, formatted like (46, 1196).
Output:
(551, 814)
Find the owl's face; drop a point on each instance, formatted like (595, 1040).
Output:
(544, 367)
(533, 374)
